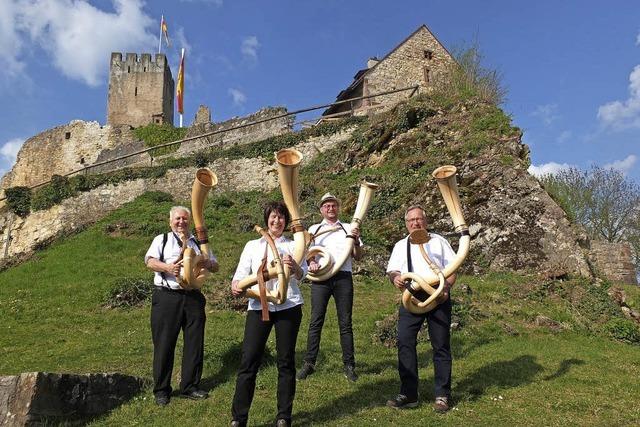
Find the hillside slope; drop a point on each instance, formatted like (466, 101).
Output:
(527, 352)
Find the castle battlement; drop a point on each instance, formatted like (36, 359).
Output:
(141, 89)
(138, 64)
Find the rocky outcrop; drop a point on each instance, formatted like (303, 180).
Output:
(40, 398)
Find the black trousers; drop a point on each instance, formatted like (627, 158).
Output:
(172, 311)
(256, 333)
(340, 287)
(409, 324)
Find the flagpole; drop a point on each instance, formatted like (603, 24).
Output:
(182, 93)
(160, 38)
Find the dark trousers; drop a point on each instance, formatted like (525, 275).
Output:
(256, 333)
(170, 312)
(340, 287)
(409, 324)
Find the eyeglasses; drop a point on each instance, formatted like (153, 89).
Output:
(418, 219)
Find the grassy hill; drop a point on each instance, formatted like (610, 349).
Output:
(527, 350)
(510, 367)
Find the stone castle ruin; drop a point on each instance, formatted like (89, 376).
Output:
(141, 92)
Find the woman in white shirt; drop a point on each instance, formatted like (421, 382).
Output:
(285, 318)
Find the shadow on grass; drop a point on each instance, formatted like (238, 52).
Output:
(230, 361)
(366, 395)
(503, 374)
(564, 367)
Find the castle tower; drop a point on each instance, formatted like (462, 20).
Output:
(140, 90)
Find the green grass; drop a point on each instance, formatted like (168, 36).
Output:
(507, 371)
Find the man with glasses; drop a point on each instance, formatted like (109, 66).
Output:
(406, 257)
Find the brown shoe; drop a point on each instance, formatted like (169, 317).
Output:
(441, 404)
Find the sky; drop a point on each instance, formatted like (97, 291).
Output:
(571, 68)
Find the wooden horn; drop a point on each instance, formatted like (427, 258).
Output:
(193, 275)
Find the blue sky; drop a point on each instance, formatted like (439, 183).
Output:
(572, 68)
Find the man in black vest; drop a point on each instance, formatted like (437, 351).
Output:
(406, 257)
(340, 286)
(174, 308)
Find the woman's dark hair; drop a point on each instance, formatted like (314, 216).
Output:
(279, 207)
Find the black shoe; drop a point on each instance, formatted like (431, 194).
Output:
(235, 423)
(283, 423)
(162, 400)
(441, 404)
(306, 370)
(195, 394)
(350, 373)
(402, 402)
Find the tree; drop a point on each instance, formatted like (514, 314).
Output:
(604, 201)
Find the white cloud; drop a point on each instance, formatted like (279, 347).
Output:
(624, 114)
(9, 152)
(76, 35)
(564, 137)
(623, 165)
(551, 168)
(10, 42)
(182, 40)
(250, 47)
(239, 98)
(548, 113)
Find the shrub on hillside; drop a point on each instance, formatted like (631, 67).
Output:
(58, 189)
(19, 200)
(623, 330)
(219, 297)
(128, 292)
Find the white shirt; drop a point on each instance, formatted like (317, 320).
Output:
(250, 261)
(171, 253)
(438, 249)
(335, 241)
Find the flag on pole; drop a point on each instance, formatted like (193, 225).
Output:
(165, 31)
(180, 85)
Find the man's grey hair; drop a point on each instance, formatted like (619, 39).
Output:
(175, 209)
(414, 207)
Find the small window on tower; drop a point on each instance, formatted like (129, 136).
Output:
(82, 160)
(128, 69)
(67, 135)
(136, 92)
(427, 74)
(428, 54)
(144, 69)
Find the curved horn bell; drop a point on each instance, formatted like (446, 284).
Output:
(446, 178)
(193, 275)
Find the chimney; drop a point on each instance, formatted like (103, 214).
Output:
(372, 61)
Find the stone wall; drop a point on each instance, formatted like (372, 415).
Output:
(614, 261)
(63, 149)
(41, 398)
(243, 135)
(140, 90)
(41, 227)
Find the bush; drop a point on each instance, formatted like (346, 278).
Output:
(154, 134)
(58, 189)
(128, 292)
(623, 330)
(19, 200)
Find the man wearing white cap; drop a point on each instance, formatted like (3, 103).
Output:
(340, 286)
